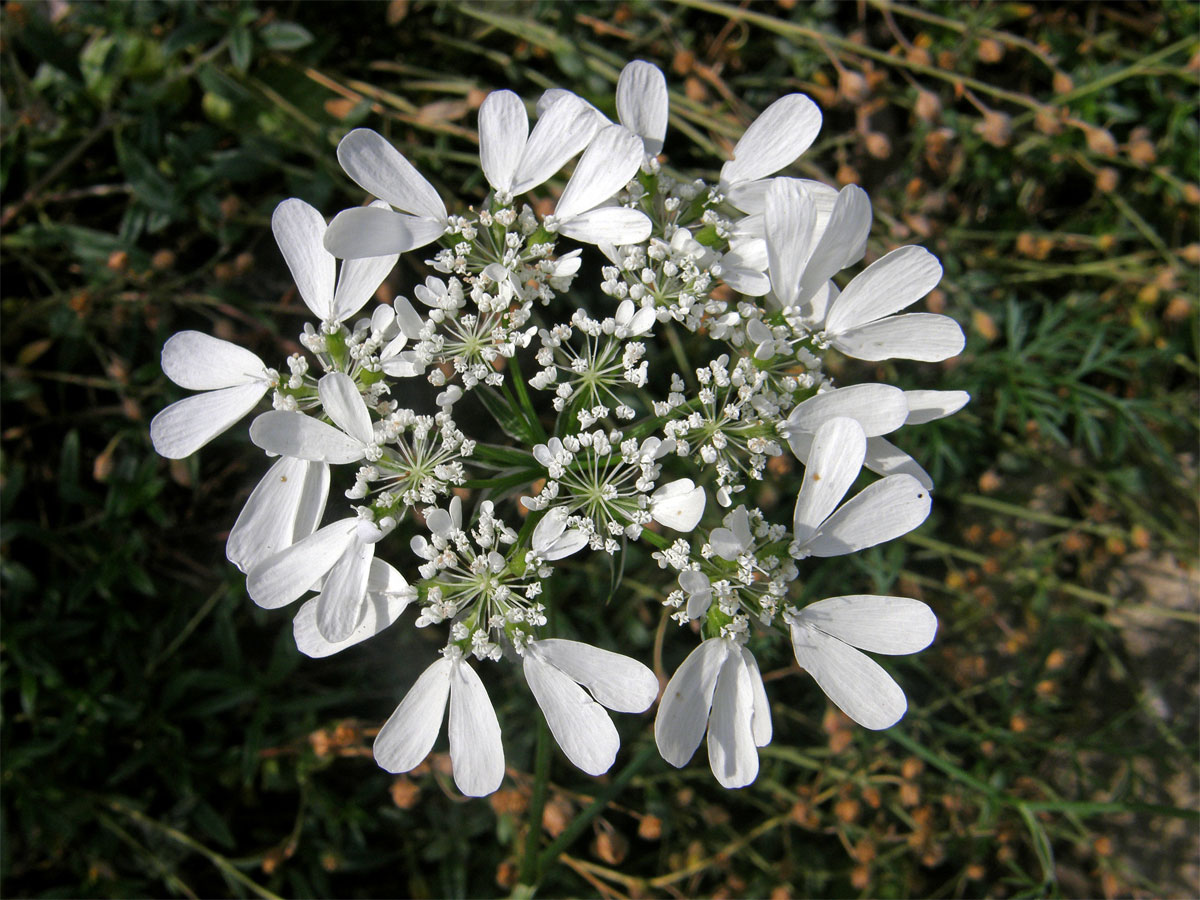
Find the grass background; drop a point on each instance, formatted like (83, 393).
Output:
(162, 736)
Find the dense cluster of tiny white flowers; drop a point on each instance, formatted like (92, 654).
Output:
(617, 436)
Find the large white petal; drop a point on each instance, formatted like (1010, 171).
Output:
(683, 711)
(642, 103)
(783, 131)
(409, 321)
(563, 130)
(408, 735)
(284, 577)
(199, 362)
(853, 681)
(841, 243)
(750, 282)
(615, 225)
(725, 543)
(790, 219)
(475, 747)
(678, 505)
(565, 544)
(921, 336)
(284, 507)
(340, 604)
(878, 408)
(503, 131)
(359, 280)
(549, 529)
(890, 284)
(188, 424)
(747, 252)
(892, 625)
(879, 512)
(762, 706)
(732, 753)
(288, 433)
(580, 726)
(373, 231)
(550, 96)
(380, 169)
(927, 406)
(815, 306)
(380, 611)
(300, 232)
(618, 682)
(834, 461)
(751, 197)
(885, 458)
(610, 161)
(345, 406)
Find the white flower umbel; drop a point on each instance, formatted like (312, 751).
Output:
(233, 381)
(861, 323)
(744, 568)
(588, 378)
(476, 752)
(679, 366)
(718, 689)
(727, 430)
(887, 509)
(477, 579)
(826, 633)
(380, 169)
(558, 671)
(607, 481)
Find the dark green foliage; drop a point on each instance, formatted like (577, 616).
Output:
(162, 736)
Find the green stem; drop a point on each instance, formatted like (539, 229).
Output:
(530, 873)
(518, 383)
(224, 865)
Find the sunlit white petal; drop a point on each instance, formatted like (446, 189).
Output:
(475, 747)
(199, 362)
(891, 625)
(303, 437)
(284, 577)
(853, 681)
(409, 733)
(188, 424)
(683, 712)
(285, 507)
(615, 681)
(300, 231)
(580, 726)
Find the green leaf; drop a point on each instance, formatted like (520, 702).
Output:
(241, 46)
(149, 185)
(96, 64)
(213, 825)
(285, 36)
